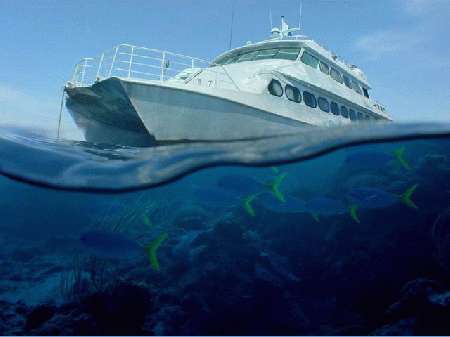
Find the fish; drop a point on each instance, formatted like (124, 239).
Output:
(290, 205)
(238, 183)
(324, 206)
(117, 245)
(372, 159)
(247, 204)
(152, 250)
(376, 159)
(373, 198)
(214, 196)
(274, 186)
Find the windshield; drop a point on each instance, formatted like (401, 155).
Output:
(262, 54)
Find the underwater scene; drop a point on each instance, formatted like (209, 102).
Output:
(315, 234)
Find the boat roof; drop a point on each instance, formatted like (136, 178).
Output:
(300, 41)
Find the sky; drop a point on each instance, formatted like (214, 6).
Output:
(403, 46)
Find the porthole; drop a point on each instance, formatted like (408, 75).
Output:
(275, 88)
(344, 111)
(310, 99)
(292, 93)
(352, 114)
(334, 108)
(323, 104)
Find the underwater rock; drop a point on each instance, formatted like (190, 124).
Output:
(39, 315)
(165, 321)
(404, 327)
(12, 318)
(440, 233)
(414, 295)
(423, 309)
(121, 310)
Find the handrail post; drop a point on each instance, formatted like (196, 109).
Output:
(131, 62)
(163, 64)
(113, 61)
(97, 77)
(76, 74)
(83, 73)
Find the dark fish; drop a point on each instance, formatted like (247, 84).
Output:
(376, 159)
(214, 196)
(370, 197)
(240, 184)
(118, 246)
(370, 159)
(290, 205)
(110, 245)
(325, 206)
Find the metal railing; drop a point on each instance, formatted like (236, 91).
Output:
(141, 63)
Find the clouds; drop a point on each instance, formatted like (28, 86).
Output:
(424, 21)
(377, 44)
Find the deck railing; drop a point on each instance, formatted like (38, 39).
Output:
(141, 63)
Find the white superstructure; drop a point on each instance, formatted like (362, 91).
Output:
(135, 95)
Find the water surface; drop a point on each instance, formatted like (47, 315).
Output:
(337, 231)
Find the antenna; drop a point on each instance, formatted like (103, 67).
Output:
(270, 19)
(232, 21)
(300, 11)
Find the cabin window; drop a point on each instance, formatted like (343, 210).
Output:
(261, 54)
(336, 75)
(323, 104)
(344, 111)
(324, 68)
(309, 59)
(360, 116)
(352, 114)
(292, 93)
(288, 54)
(366, 92)
(275, 88)
(247, 56)
(334, 108)
(265, 54)
(356, 87)
(310, 99)
(347, 82)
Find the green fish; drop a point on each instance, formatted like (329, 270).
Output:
(399, 154)
(152, 250)
(248, 204)
(275, 187)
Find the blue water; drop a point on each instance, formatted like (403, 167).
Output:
(338, 231)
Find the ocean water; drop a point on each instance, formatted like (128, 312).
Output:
(329, 232)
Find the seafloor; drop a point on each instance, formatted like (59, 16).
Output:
(233, 262)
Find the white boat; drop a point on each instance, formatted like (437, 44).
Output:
(136, 95)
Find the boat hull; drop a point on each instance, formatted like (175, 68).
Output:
(138, 113)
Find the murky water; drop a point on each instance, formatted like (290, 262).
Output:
(342, 231)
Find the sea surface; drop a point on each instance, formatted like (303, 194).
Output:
(340, 231)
